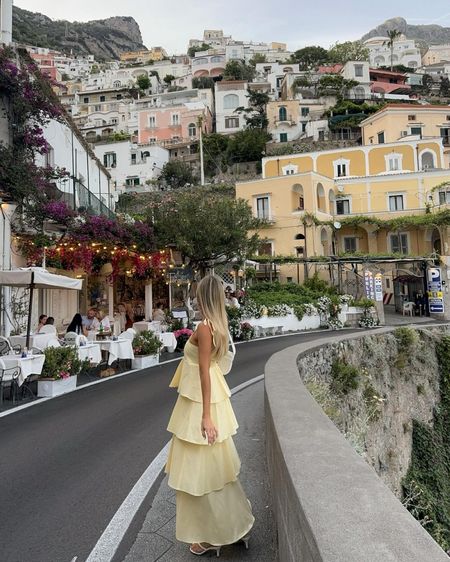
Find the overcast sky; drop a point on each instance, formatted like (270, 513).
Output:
(171, 24)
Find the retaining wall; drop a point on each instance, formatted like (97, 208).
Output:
(329, 504)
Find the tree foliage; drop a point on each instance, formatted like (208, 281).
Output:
(258, 58)
(348, 51)
(255, 115)
(238, 70)
(143, 82)
(393, 35)
(197, 48)
(168, 78)
(310, 57)
(176, 174)
(335, 84)
(202, 82)
(247, 146)
(205, 226)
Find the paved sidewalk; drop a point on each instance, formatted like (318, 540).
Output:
(156, 540)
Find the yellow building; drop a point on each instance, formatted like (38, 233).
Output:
(378, 181)
(145, 55)
(405, 121)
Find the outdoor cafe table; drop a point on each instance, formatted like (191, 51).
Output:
(36, 340)
(118, 349)
(91, 351)
(31, 365)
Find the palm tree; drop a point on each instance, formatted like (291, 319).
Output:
(393, 35)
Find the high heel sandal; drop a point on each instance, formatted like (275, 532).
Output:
(245, 540)
(205, 549)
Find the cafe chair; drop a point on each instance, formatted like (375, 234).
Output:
(408, 308)
(71, 338)
(8, 378)
(128, 334)
(6, 348)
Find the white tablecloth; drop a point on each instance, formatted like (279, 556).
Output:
(36, 340)
(120, 349)
(168, 340)
(90, 351)
(31, 365)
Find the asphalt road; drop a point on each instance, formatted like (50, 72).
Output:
(67, 464)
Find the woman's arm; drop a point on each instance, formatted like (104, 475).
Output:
(204, 339)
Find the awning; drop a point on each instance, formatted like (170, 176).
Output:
(40, 278)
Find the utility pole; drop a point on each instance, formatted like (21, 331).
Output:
(202, 171)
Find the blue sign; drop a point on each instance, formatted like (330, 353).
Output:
(435, 293)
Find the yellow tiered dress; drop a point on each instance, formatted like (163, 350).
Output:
(211, 504)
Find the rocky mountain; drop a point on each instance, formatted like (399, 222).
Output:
(425, 34)
(105, 39)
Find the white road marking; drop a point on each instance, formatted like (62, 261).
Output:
(114, 533)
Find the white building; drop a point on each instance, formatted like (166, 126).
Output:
(246, 50)
(89, 183)
(274, 73)
(212, 37)
(131, 165)
(6, 21)
(229, 95)
(405, 52)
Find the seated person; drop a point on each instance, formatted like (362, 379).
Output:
(77, 326)
(88, 320)
(159, 314)
(101, 320)
(42, 321)
(48, 327)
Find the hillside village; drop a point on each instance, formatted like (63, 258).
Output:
(329, 147)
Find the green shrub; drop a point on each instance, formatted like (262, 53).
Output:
(146, 343)
(345, 377)
(62, 362)
(406, 337)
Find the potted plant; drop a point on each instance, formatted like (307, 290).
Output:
(146, 346)
(61, 368)
(182, 337)
(247, 331)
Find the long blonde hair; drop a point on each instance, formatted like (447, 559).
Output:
(211, 300)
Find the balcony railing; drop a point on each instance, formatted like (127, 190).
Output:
(83, 198)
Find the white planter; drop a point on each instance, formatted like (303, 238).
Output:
(55, 388)
(145, 361)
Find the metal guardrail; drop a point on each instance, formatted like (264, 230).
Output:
(83, 198)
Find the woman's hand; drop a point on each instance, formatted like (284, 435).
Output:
(208, 430)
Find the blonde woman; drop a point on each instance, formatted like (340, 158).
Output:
(203, 464)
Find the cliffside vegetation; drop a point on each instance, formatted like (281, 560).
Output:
(105, 39)
(390, 396)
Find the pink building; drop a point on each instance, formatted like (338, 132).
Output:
(47, 66)
(176, 123)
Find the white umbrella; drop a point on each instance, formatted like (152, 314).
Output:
(37, 278)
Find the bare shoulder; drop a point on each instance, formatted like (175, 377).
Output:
(203, 331)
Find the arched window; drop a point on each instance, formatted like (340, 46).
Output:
(192, 130)
(298, 198)
(360, 93)
(321, 206)
(231, 101)
(427, 160)
(282, 114)
(216, 59)
(117, 84)
(379, 60)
